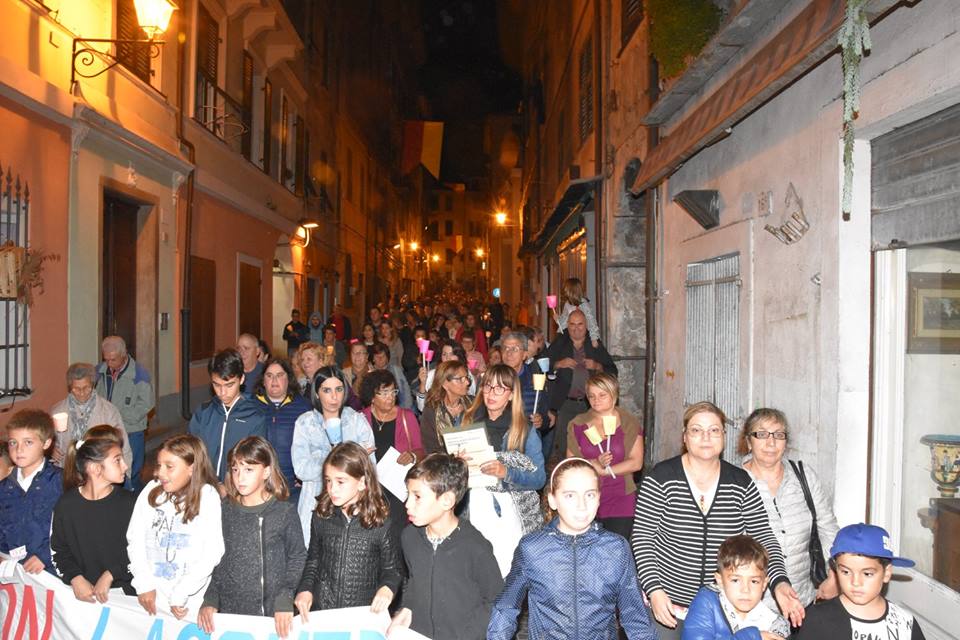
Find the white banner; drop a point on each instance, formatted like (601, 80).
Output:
(41, 607)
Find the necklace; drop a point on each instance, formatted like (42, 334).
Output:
(437, 540)
(379, 423)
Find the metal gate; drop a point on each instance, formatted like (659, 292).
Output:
(14, 315)
(712, 364)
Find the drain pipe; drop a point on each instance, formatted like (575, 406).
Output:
(187, 224)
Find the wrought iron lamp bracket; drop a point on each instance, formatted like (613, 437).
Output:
(85, 56)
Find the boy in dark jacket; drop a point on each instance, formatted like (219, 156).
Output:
(453, 575)
(29, 494)
(231, 417)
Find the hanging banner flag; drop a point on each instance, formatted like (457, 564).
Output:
(41, 607)
(422, 144)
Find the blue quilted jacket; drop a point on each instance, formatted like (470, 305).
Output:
(25, 516)
(705, 620)
(576, 584)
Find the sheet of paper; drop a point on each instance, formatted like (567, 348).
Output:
(391, 474)
(472, 443)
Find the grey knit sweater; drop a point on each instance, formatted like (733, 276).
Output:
(264, 558)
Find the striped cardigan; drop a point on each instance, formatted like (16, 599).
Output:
(675, 545)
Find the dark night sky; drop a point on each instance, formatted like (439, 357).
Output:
(465, 78)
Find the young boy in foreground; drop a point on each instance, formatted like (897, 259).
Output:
(453, 575)
(733, 608)
(862, 557)
(29, 493)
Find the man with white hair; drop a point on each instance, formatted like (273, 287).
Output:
(127, 385)
(248, 346)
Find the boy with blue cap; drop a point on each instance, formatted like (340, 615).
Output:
(862, 557)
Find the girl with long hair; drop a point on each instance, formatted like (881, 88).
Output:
(90, 519)
(264, 547)
(353, 558)
(573, 298)
(175, 537)
(317, 432)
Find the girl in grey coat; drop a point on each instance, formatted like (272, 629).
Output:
(264, 545)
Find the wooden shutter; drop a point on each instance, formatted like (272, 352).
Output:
(267, 125)
(631, 15)
(203, 308)
(248, 299)
(208, 44)
(245, 141)
(300, 162)
(135, 57)
(586, 90)
(284, 138)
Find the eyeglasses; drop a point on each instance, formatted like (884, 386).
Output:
(763, 435)
(495, 390)
(700, 433)
(457, 379)
(512, 349)
(384, 393)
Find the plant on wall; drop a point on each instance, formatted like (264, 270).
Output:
(679, 29)
(854, 41)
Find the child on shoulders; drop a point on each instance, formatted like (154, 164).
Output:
(29, 494)
(573, 299)
(862, 557)
(453, 575)
(90, 520)
(733, 607)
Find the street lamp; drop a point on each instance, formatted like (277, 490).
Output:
(435, 257)
(414, 245)
(479, 252)
(500, 217)
(153, 16)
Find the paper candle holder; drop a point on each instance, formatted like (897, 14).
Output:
(609, 425)
(539, 381)
(551, 302)
(593, 435)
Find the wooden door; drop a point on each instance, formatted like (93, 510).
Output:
(119, 308)
(248, 299)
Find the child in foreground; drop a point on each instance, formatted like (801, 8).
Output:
(264, 544)
(733, 607)
(90, 521)
(579, 576)
(175, 538)
(453, 574)
(862, 557)
(353, 560)
(29, 494)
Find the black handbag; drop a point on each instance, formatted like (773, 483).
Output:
(818, 566)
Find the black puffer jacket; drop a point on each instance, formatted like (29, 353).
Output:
(347, 564)
(263, 560)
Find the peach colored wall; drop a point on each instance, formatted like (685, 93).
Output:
(39, 151)
(220, 232)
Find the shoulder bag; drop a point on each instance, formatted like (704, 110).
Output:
(818, 566)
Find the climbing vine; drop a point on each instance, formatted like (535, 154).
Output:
(854, 40)
(679, 29)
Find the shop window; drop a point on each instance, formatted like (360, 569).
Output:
(712, 363)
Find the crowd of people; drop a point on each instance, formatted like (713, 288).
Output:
(525, 502)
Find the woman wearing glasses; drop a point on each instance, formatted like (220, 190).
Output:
(510, 507)
(445, 404)
(320, 430)
(764, 438)
(392, 426)
(686, 507)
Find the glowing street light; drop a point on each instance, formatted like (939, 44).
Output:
(435, 257)
(500, 217)
(154, 15)
(479, 252)
(414, 245)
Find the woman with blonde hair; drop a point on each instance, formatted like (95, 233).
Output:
(510, 506)
(310, 357)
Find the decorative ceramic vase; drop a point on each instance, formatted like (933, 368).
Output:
(944, 462)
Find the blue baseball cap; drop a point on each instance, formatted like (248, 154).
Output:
(867, 540)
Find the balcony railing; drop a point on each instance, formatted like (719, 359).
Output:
(223, 116)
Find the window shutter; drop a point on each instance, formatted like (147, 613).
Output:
(245, 141)
(631, 15)
(586, 90)
(135, 57)
(284, 138)
(267, 125)
(203, 310)
(208, 44)
(300, 160)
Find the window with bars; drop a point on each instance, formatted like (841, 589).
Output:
(135, 57)
(14, 314)
(586, 90)
(631, 15)
(712, 363)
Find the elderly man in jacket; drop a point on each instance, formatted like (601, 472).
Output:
(125, 383)
(574, 358)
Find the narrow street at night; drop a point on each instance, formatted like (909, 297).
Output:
(466, 319)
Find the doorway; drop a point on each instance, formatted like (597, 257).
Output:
(120, 231)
